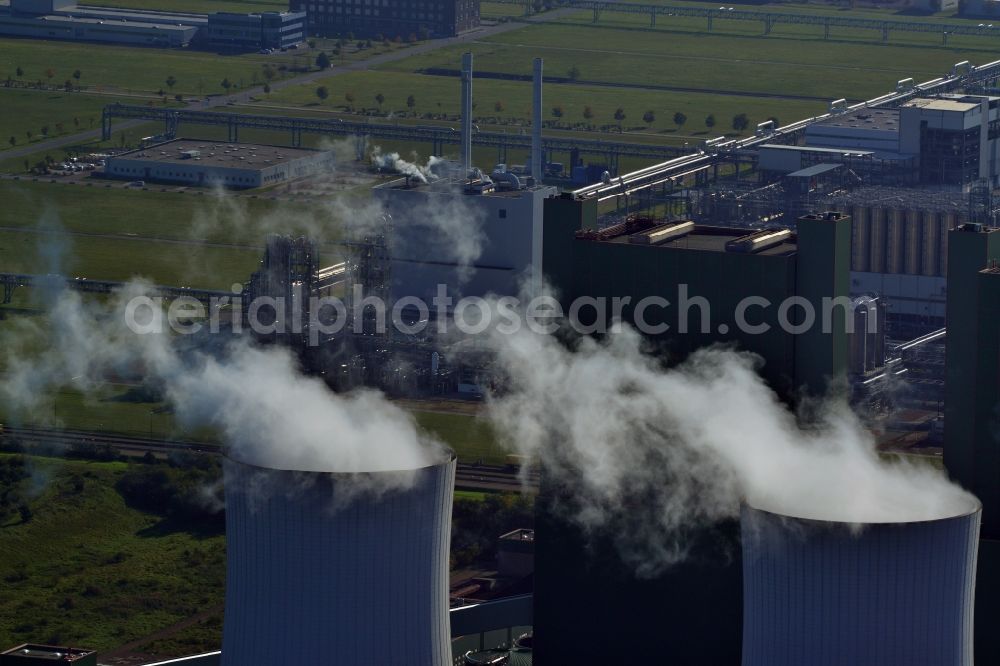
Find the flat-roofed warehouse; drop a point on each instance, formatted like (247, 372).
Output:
(234, 165)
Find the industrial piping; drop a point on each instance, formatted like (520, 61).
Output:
(466, 113)
(536, 122)
(829, 593)
(337, 568)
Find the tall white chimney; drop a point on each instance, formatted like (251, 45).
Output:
(466, 112)
(536, 122)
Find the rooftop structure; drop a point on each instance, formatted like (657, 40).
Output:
(200, 162)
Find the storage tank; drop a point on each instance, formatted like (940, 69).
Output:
(876, 219)
(930, 245)
(860, 232)
(911, 258)
(328, 567)
(895, 219)
(829, 593)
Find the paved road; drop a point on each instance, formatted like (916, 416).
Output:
(244, 96)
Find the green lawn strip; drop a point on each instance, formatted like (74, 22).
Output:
(88, 570)
(471, 437)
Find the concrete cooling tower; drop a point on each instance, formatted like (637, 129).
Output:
(830, 594)
(334, 568)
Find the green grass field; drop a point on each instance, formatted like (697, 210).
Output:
(139, 69)
(59, 114)
(88, 570)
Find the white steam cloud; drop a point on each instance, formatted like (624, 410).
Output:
(649, 454)
(425, 173)
(268, 413)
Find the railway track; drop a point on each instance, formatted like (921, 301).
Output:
(468, 476)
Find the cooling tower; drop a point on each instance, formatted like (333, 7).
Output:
(829, 594)
(333, 568)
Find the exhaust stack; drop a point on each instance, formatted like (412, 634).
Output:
(466, 113)
(536, 122)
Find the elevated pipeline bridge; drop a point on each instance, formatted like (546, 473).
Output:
(882, 28)
(12, 281)
(437, 137)
(720, 151)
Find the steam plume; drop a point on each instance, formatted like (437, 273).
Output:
(667, 451)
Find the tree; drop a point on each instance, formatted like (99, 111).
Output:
(311, 43)
(323, 60)
(68, 85)
(25, 512)
(379, 99)
(411, 102)
(349, 98)
(12, 141)
(620, 116)
(740, 122)
(322, 93)
(557, 111)
(649, 117)
(368, 43)
(161, 93)
(574, 73)
(269, 72)
(267, 88)
(498, 106)
(710, 121)
(179, 97)
(588, 113)
(20, 72)
(226, 83)
(29, 134)
(77, 74)
(171, 81)
(45, 130)
(680, 119)
(49, 73)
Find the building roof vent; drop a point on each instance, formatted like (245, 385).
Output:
(662, 233)
(758, 241)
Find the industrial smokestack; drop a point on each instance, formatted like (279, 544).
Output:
(338, 568)
(536, 122)
(822, 592)
(466, 112)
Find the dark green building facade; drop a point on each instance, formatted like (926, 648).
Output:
(972, 407)
(589, 607)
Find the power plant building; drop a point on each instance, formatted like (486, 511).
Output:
(950, 139)
(212, 163)
(502, 220)
(717, 265)
(389, 18)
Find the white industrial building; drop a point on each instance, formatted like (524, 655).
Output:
(65, 20)
(477, 237)
(951, 139)
(212, 163)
